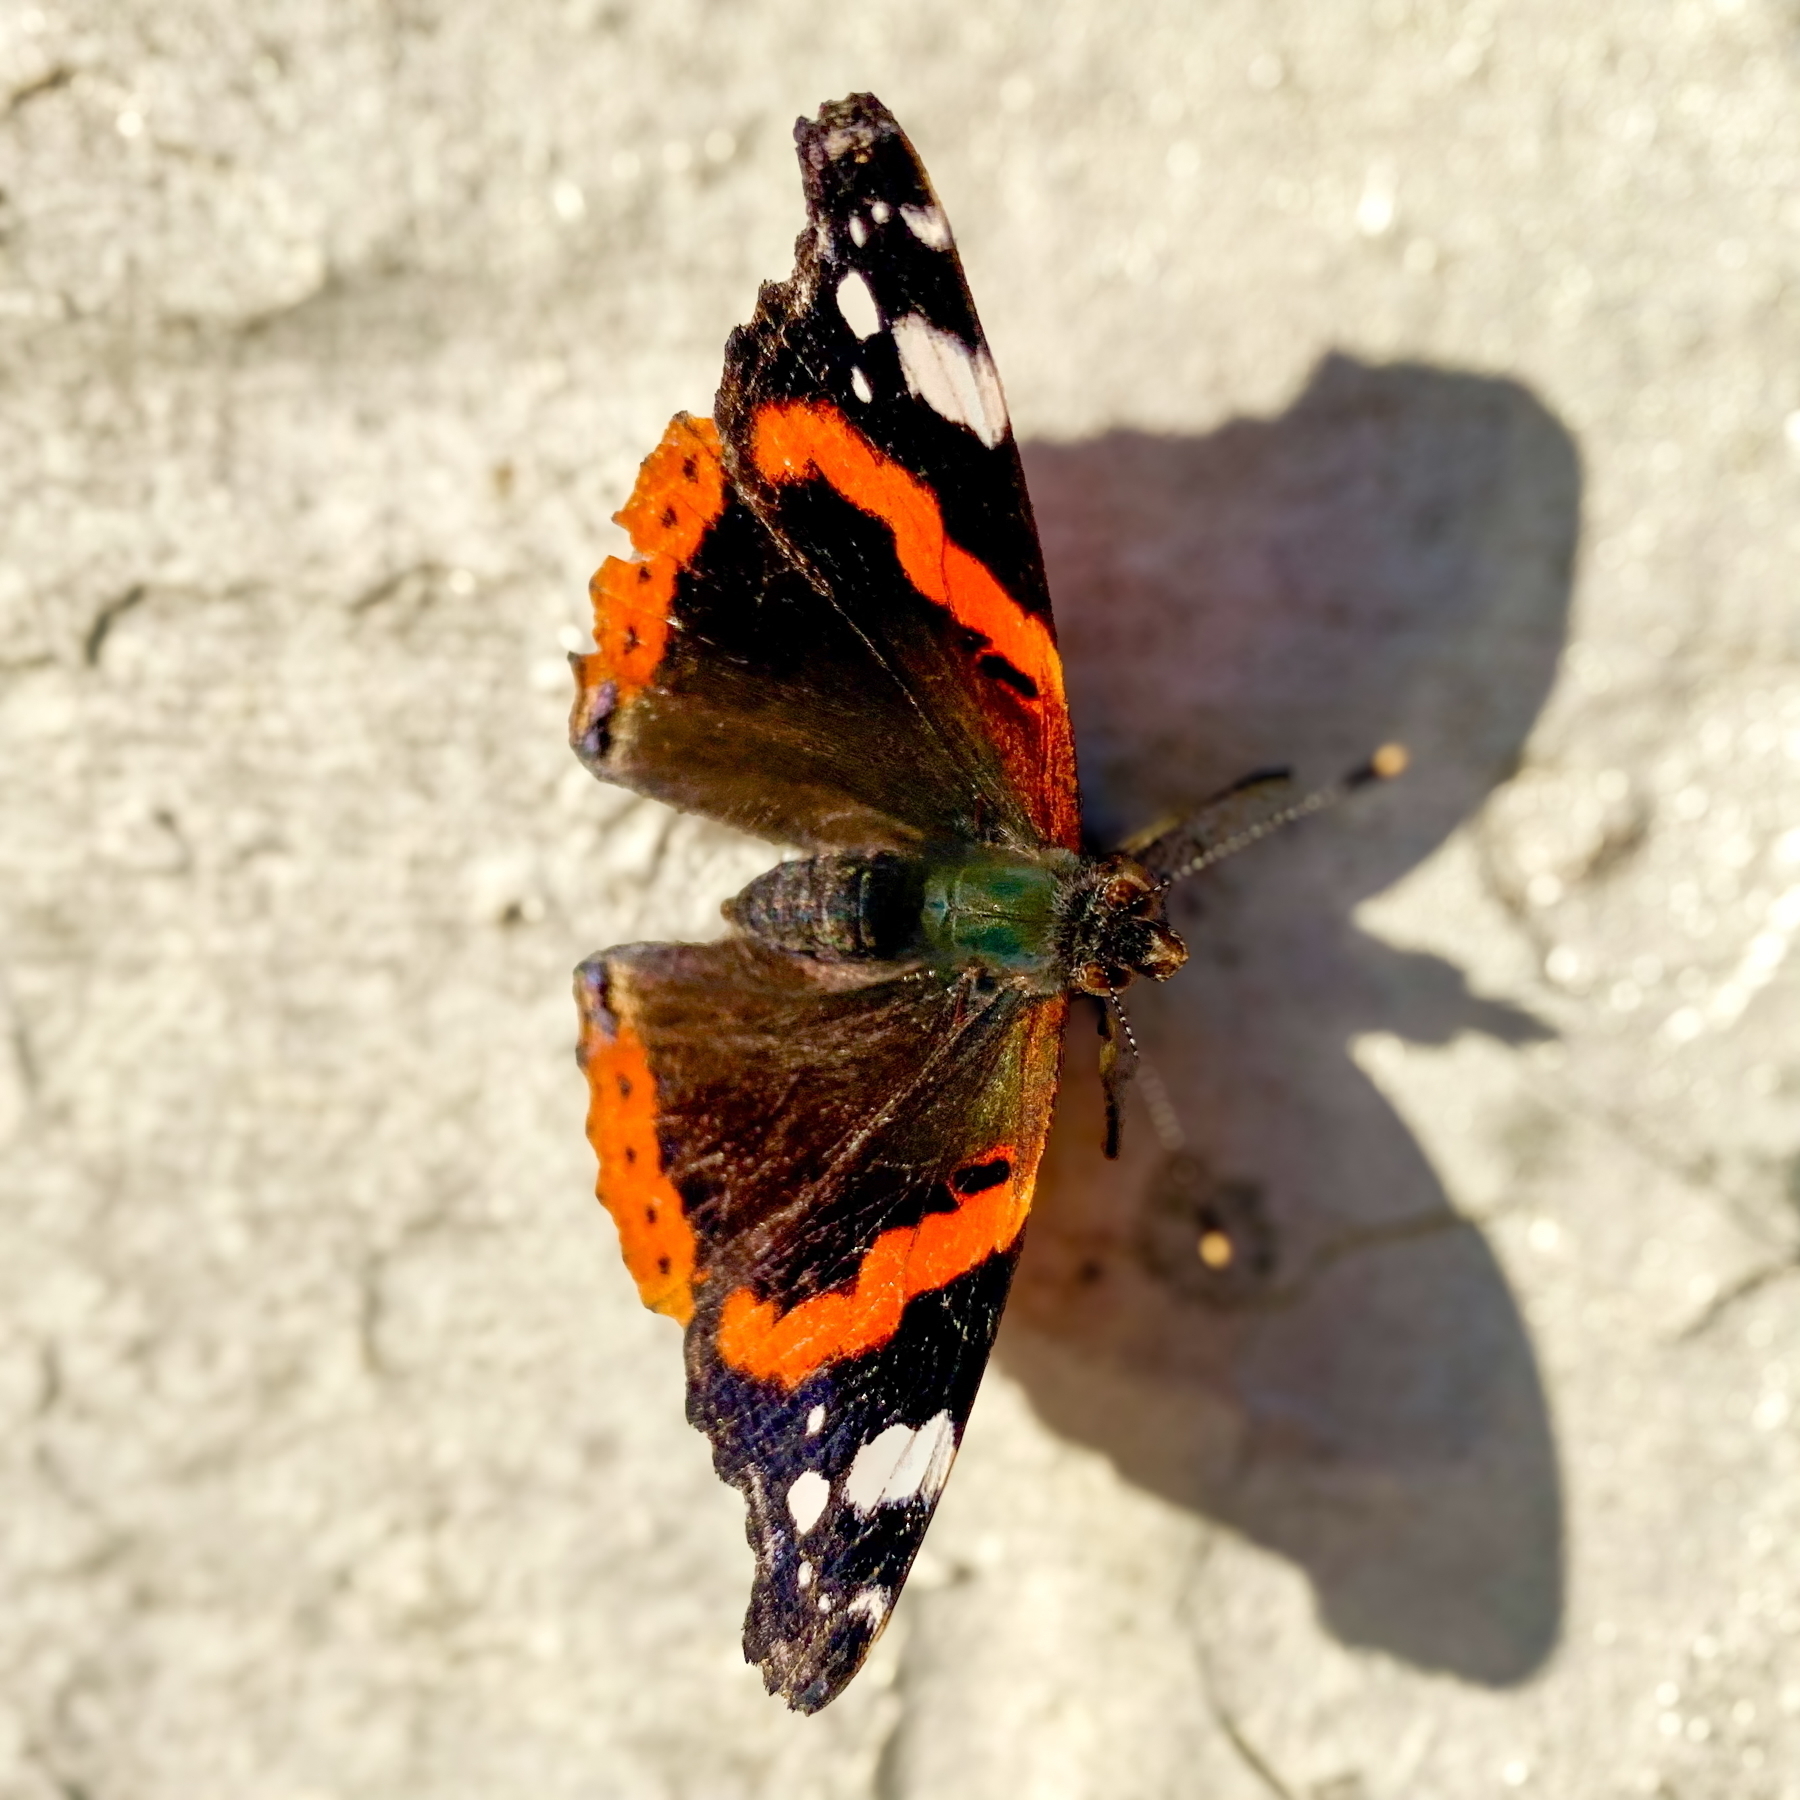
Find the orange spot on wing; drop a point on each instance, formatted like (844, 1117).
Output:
(756, 1337)
(680, 491)
(798, 441)
(654, 1234)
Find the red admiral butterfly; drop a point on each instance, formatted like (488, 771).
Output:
(818, 1137)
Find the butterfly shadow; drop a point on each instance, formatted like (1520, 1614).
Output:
(1348, 1381)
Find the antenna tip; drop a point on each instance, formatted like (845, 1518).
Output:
(1387, 762)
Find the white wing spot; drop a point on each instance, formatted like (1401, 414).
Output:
(880, 211)
(859, 232)
(901, 1462)
(859, 385)
(858, 306)
(872, 1603)
(804, 1577)
(824, 1603)
(866, 1486)
(943, 1454)
(807, 1499)
(957, 383)
(815, 1421)
(928, 225)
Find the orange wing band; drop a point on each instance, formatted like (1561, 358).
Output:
(786, 1347)
(910, 1260)
(680, 492)
(654, 1235)
(798, 440)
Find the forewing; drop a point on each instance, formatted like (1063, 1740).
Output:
(835, 630)
(825, 1177)
(863, 418)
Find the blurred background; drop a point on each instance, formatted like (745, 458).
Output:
(1385, 369)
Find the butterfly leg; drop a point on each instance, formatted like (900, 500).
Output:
(1118, 1061)
(967, 983)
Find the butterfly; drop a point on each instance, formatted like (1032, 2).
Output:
(818, 1136)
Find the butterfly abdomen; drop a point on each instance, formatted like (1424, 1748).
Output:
(996, 911)
(838, 908)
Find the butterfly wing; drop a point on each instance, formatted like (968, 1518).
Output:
(835, 631)
(824, 1174)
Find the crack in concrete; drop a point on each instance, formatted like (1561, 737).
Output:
(1357, 1242)
(50, 1375)
(887, 1782)
(1586, 1108)
(1373, 1237)
(57, 76)
(39, 1754)
(1693, 1173)
(25, 1061)
(1221, 1714)
(371, 1305)
(106, 618)
(1247, 1752)
(1752, 1282)
(17, 1049)
(390, 587)
(171, 827)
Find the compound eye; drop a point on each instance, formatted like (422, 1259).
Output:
(1124, 889)
(1163, 953)
(1091, 978)
(1102, 978)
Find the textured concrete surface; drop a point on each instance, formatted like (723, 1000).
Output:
(1387, 370)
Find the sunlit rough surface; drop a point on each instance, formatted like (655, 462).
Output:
(1386, 370)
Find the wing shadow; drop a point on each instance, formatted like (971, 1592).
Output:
(1389, 559)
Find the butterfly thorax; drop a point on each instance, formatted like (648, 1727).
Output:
(1048, 921)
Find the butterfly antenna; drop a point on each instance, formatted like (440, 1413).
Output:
(1387, 762)
(1164, 1120)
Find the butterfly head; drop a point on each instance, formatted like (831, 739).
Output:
(1116, 928)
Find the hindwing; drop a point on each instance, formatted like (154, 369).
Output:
(825, 1177)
